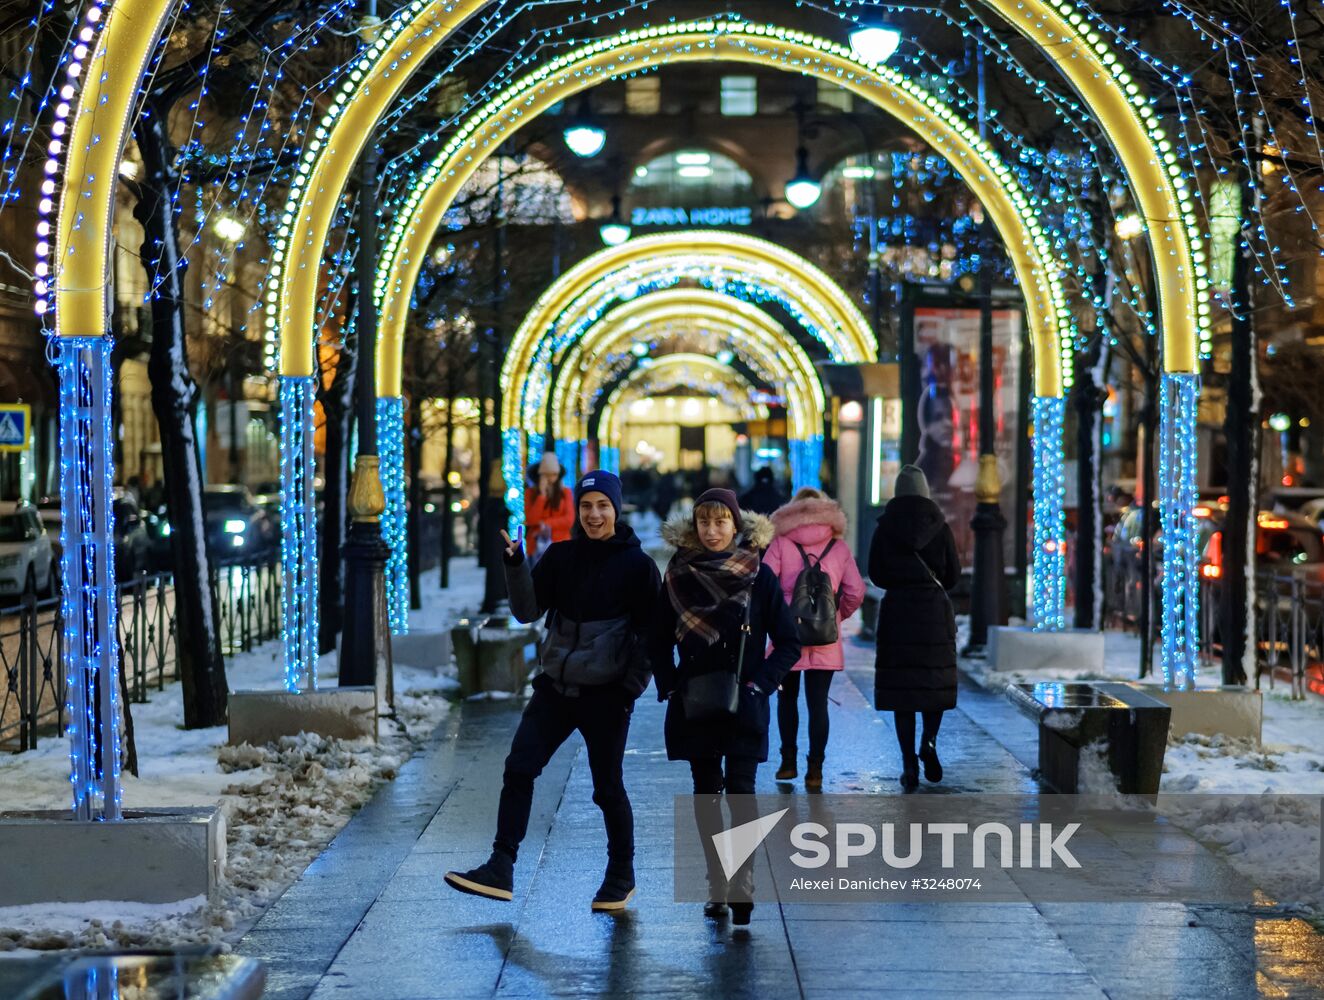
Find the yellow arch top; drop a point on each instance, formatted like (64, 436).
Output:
(768, 45)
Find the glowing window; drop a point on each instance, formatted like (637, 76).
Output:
(740, 95)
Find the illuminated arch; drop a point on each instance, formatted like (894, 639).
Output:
(1010, 209)
(674, 371)
(762, 343)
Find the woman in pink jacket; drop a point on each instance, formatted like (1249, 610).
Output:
(813, 527)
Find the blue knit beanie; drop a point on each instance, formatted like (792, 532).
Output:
(600, 482)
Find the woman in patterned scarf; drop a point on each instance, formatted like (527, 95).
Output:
(716, 589)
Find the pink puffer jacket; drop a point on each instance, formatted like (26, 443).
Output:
(813, 523)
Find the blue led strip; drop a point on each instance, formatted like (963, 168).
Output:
(537, 443)
(568, 453)
(391, 449)
(87, 534)
(1048, 598)
(609, 459)
(298, 541)
(512, 468)
(1179, 396)
(806, 462)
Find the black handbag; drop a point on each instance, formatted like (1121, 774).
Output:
(716, 694)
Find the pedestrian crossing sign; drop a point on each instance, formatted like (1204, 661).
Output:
(15, 426)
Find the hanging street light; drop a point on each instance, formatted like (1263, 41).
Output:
(802, 190)
(615, 230)
(874, 43)
(584, 136)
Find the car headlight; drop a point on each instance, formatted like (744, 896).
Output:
(237, 541)
(235, 526)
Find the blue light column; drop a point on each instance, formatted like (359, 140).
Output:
(1048, 598)
(1179, 397)
(87, 538)
(298, 541)
(391, 452)
(512, 468)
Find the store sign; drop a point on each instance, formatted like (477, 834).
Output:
(713, 216)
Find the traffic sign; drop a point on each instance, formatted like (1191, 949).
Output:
(15, 426)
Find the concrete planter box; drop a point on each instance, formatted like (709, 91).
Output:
(1226, 711)
(490, 657)
(348, 713)
(151, 856)
(428, 649)
(1019, 647)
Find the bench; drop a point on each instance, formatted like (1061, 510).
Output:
(1131, 726)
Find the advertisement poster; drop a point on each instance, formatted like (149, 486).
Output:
(947, 348)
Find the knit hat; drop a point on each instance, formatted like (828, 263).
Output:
(726, 498)
(549, 465)
(600, 482)
(911, 481)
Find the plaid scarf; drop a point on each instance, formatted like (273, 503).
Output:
(709, 590)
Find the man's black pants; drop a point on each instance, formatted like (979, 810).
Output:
(602, 716)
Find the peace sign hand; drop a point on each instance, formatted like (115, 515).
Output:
(515, 544)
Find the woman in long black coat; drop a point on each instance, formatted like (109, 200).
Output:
(913, 558)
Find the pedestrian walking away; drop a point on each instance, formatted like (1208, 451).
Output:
(913, 558)
(549, 511)
(810, 538)
(598, 591)
(763, 497)
(723, 639)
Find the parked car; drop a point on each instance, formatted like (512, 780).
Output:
(27, 564)
(237, 529)
(1284, 543)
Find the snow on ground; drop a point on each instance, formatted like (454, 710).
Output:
(1258, 803)
(283, 803)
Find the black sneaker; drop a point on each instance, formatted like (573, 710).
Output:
(928, 753)
(741, 913)
(493, 879)
(615, 891)
(715, 909)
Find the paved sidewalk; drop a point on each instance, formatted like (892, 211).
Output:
(371, 917)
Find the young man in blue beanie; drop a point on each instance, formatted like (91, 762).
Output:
(598, 590)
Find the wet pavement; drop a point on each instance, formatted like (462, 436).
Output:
(371, 918)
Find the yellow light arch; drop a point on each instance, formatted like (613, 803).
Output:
(1057, 27)
(570, 301)
(670, 372)
(753, 335)
(941, 126)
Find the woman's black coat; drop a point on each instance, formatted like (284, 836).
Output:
(913, 558)
(747, 735)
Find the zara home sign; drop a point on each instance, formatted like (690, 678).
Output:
(713, 216)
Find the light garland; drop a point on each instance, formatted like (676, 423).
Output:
(395, 531)
(1048, 600)
(806, 462)
(1179, 400)
(299, 535)
(87, 561)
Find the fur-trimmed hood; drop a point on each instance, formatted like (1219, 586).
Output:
(810, 511)
(679, 532)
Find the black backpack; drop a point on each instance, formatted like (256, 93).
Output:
(814, 602)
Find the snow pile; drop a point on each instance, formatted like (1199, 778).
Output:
(1274, 840)
(303, 790)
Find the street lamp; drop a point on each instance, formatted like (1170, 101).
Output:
(802, 190)
(584, 136)
(874, 43)
(615, 230)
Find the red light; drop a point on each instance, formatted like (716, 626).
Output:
(1269, 521)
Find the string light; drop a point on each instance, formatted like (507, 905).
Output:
(299, 535)
(1179, 400)
(1048, 600)
(391, 452)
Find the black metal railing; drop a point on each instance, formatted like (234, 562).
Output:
(32, 681)
(1289, 627)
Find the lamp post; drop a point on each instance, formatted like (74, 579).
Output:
(988, 604)
(365, 646)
